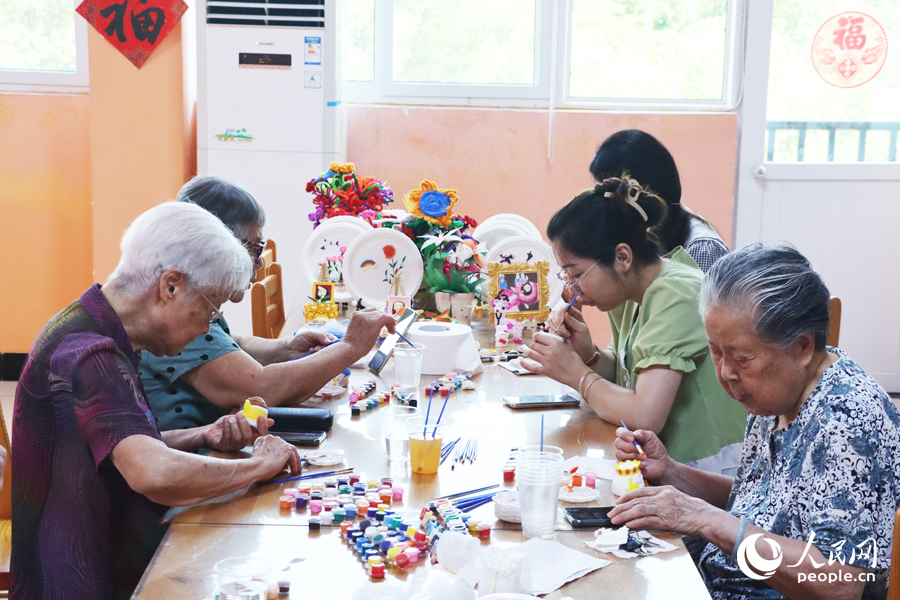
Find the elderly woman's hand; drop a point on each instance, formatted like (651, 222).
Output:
(547, 355)
(655, 461)
(276, 454)
(307, 340)
(664, 508)
(233, 432)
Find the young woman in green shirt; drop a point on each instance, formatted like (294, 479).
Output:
(657, 373)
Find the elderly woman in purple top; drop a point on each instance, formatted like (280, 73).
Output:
(92, 475)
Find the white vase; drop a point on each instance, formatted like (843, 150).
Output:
(458, 304)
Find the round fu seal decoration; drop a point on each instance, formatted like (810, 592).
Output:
(849, 49)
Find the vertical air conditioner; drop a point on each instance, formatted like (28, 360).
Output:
(268, 113)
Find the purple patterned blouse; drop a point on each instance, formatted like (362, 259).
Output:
(78, 530)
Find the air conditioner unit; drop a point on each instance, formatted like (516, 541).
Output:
(269, 115)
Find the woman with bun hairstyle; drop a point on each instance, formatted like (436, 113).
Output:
(657, 373)
(647, 160)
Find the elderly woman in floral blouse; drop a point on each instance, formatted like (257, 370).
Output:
(810, 512)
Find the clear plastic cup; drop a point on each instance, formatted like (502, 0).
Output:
(243, 578)
(537, 448)
(537, 478)
(425, 444)
(408, 364)
(396, 434)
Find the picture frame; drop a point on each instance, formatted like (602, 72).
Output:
(533, 296)
(323, 292)
(397, 304)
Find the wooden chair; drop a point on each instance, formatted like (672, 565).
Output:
(894, 581)
(269, 256)
(267, 304)
(834, 321)
(5, 512)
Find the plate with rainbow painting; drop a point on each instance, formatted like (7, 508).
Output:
(326, 245)
(374, 259)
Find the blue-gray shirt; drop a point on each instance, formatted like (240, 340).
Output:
(175, 403)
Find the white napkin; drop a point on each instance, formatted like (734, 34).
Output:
(601, 467)
(554, 565)
(609, 540)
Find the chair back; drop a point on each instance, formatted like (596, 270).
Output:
(834, 321)
(267, 304)
(269, 256)
(894, 581)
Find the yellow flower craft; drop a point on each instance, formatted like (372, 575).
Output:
(341, 168)
(432, 204)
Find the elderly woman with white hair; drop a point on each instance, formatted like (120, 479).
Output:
(92, 475)
(810, 513)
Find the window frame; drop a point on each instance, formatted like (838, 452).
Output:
(29, 81)
(383, 90)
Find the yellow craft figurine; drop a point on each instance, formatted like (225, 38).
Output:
(628, 477)
(253, 409)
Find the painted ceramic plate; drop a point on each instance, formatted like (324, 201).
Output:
(373, 258)
(329, 241)
(497, 228)
(528, 249)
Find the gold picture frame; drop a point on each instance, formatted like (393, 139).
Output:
(510, 272)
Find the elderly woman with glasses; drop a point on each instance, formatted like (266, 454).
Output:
(218, 370)
(92, 474)
(657, 373)
(810, 513)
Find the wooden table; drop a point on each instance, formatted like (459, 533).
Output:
(252, 524)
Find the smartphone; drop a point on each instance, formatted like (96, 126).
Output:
(563, 401)
(381, 357)
(589, 516)
(301, 438)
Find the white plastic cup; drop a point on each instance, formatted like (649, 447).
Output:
(408, 364)
(396, 434)
(537, 478)
(537, 448)
(242, 578)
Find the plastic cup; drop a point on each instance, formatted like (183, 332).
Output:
(537, 448)
(537, 478)
(425, 444)
(408, 364)
(396, 433)
(243, 578)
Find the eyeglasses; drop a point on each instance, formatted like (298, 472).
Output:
(216, 315)
(254, 248)
(574, 284)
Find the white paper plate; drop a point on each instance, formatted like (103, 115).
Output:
(323, 459)
(506, 506)
(578, 494)
(527, 225)
(519, 248)
(365, 280)
(497, 228)
(326, 241)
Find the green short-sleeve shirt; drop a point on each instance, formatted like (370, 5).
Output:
(667, 330)
(176, 404)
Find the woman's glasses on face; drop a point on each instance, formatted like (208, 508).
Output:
(254, 248)
(574, 284)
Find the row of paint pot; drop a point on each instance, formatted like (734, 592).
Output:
(338, 496)
(390, 542)
(450, 381)
(456, 520)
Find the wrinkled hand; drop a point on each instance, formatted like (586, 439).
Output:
(548, 356)
(276, 454)
(665, 508)
(234, 432)
(364, 328)
(307, 340)
(655, 462)
(571, 326)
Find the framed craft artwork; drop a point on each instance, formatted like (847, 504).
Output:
(524, 286)
(323, 292)
(397, 304)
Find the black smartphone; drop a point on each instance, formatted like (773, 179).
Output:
(386, 349)
(589, 516)
(563, 401)
(301, 438)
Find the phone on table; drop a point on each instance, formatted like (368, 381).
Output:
(301, 438)
(384, 352)
(548, 401)
(589, 516)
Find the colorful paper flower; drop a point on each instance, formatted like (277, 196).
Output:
(432, 204)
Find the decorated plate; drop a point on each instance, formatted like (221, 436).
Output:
(578, 494)
(526, 249)
(319, 458)
(496, 229)
(327, 244)
(374, 258)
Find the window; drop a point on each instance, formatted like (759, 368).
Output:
(652, 53)
(43, 46)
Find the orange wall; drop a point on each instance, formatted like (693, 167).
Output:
(45, 210)
(497, 159)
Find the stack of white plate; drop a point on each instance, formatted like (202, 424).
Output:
(499, 227)
(506, 506)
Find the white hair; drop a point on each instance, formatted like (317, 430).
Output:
(188, 239)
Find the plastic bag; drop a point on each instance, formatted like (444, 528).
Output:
(504, 571)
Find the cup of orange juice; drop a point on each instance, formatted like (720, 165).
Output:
(425, 441)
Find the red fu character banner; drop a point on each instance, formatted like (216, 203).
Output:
(134, 27)
(849, 49)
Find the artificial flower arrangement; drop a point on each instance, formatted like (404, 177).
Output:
(453, 260)
(338, 191)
